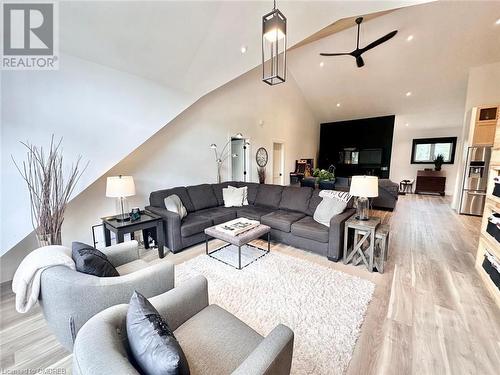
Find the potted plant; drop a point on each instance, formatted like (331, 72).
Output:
(49, 188)
(438, 162)
(323, 175)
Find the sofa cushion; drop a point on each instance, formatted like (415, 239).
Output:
(174, 204)
(218, 215)
(202, 196)
(215, 341)
(314, 202)
(154, 348)
(91, 261)
(281, 220)
(157, 198)
(235, 197)
(194, 224)
(253, 188)
(217, 188)
(253, 212)
(296, 199)
(269, 196)
(333, 204)
(310, 229)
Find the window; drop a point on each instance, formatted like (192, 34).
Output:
(425, 150)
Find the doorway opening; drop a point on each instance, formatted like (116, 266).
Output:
(278, 163)
(240, 148)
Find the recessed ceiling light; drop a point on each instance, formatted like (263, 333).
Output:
(338, 105)
(321, 64)
(410, 38)
(407, 124)
(497, 22)
(408, 93)
(243, 49)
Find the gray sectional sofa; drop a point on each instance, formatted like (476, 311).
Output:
(287, 210)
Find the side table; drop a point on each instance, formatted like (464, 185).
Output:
(120, 228)
(381, 247)
(364, 232)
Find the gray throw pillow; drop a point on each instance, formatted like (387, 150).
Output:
(91, 261)
(174, 204)
(152, 344)
(333, 204)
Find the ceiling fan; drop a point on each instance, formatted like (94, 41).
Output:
(359, 51)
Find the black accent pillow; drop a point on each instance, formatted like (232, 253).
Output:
(152, 344)
(91, 261)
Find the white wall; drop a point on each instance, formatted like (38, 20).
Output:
(179, 154)
(101, 113)
(402, 169)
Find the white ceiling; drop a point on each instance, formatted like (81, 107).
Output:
(449, 38)
(191, 46)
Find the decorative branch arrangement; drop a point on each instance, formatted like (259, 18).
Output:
(261, 172)
(48, 190)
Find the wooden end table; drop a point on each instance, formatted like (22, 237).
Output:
(147, 220)
(364, 232)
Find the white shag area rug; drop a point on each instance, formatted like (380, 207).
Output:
(325, 308)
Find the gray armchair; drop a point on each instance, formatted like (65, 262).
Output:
(69, 298)
(213, 340)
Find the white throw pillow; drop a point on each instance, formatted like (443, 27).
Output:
(245, 193)
(174, 204)
(233, 197)
(333, 203)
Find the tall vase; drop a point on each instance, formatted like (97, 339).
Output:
(48, 239)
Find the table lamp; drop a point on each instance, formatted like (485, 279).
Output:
(120, 187)
(363, 187)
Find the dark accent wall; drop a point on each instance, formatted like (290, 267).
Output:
(361, 134)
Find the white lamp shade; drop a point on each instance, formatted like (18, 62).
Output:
(364, 186)
(120, 186)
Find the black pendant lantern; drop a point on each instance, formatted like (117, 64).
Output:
(274, 47)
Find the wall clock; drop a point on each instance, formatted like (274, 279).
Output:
(261, 157)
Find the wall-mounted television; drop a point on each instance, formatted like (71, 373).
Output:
(354, 147)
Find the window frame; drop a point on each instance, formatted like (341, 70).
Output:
(419, 141)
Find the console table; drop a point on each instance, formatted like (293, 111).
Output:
(430, 182)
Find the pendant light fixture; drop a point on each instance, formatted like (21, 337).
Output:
(274, 47)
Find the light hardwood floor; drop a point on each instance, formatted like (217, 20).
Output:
(429, 315)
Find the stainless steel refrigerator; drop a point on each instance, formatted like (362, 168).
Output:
(475, 181)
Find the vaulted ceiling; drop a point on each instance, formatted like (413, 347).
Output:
(447, 39)
(192, 46)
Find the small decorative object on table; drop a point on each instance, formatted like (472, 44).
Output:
(363, 187)
(261, 172)
(135, 214)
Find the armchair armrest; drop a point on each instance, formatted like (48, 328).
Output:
(171, 226)
(122, 253)
(272, 356)
(183, 302)
(336, 234)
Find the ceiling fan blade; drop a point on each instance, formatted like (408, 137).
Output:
(360, 62)
(385, 38)
(334, 54)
